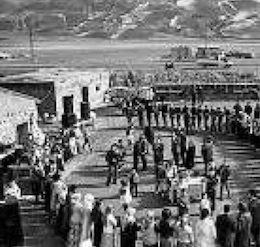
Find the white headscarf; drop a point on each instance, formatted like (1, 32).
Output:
(89, 200)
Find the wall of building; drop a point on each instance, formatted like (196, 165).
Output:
(72, 84)
(15, 110)
(43, 91)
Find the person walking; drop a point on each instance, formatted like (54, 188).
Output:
(226, 228)
(205, 230)
(149, 230)
(244, 222)
(130, 229)
(166, 229)
(211, 188)
(185, 235)
(74, 237)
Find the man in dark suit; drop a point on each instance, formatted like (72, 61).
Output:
(254, 208)
(226, 228)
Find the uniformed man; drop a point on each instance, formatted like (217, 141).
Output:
(206, 114)
(220, 116)
(199, 116)
(149, 110)
(213, 119)
(172, 114)
(193, 116)
(156, 114)
(164, 110)
(186, 118)
(140, 114)
(178, 116)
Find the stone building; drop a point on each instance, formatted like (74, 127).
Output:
(60, 91)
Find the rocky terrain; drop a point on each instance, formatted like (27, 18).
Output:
(131, 19)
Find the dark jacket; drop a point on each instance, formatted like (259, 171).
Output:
(226, 229)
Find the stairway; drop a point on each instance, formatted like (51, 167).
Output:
(36, 227)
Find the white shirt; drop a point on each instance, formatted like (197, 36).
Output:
(110, 224)
(205, 233)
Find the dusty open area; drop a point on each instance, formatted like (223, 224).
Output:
(115, 54)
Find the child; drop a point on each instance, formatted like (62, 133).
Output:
(134, 181)
(125, 195)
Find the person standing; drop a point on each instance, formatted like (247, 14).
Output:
(257, 111)
(185, 236)
(244, 222)
(205, 230)
(143, 151)
(96, 218)
(109, 227)
(164, 109)
(178, 116)
(199, 116)
(158, 151)
(220, 115)
(206, 114)
(254, 208)
(248, 109)
(226, 228)
(175, 148)
(213, 119)
(190, 157)
(156, 114)
(207, 153)
(149, 110)
(211, 188)
(140, 114)
(172, 114)
(134, 181)
(112, 159)
(224, 173)
(183, 146)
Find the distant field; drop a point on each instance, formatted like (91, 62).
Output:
(137, 54)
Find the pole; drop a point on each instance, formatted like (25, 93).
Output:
(31, 42)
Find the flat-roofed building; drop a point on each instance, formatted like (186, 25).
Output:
(61, 91)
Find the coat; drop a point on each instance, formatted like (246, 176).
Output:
(243, 231)
(226, 230)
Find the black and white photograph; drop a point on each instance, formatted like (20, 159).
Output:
(129, 123)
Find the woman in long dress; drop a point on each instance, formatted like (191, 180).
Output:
(75, 231)
(205, 230)
(109, 227)
(87, 220)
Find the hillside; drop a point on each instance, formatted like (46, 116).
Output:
(127, 19)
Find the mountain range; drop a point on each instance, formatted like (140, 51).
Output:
(131, 19)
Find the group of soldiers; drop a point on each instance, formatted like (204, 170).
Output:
(190, 117)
